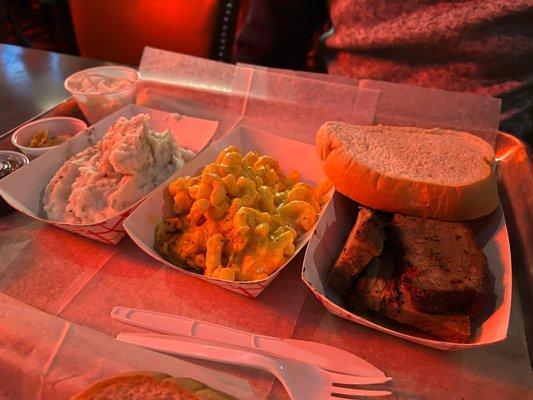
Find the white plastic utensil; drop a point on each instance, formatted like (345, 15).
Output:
(321, 355)
(302, 381)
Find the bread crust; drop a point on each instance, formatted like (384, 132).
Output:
(131, 380)
(402, 195)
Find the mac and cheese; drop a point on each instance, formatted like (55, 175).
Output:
(239, 219)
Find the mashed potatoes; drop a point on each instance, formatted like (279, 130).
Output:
(104, 179)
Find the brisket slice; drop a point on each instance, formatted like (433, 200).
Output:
(452, 327)
(442, 268)
(379, 291)
(375, 285)
(363, 244)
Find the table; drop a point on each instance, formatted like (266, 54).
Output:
(25, 72)
(67, 282)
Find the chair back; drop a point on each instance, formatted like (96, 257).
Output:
(118, 30)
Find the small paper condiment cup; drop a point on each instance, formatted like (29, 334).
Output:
(96, 106)
(55, 126)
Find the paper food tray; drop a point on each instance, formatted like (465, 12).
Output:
(140, 225)
(23, 188)
(329, 238)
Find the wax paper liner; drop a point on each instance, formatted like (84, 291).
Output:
(188, 71)
(405, 105)
(303, 74)
(295, 107)
(191, 133)
(193, 86)
(328, 240)
(281, 102)
(294, 103)
(140, 225)
(45, 357)
(222, 107)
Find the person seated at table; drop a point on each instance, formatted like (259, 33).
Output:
(482, 47)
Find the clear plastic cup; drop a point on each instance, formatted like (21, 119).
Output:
(101, 91)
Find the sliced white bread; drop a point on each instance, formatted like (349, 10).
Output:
(141, 385)
(430, 173)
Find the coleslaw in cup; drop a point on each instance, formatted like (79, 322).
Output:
(101, 91)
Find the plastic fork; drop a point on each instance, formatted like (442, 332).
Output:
(302, 381)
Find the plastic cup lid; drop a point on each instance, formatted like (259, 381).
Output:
(10, 161)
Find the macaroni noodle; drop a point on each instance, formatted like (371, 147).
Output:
(239, 219)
